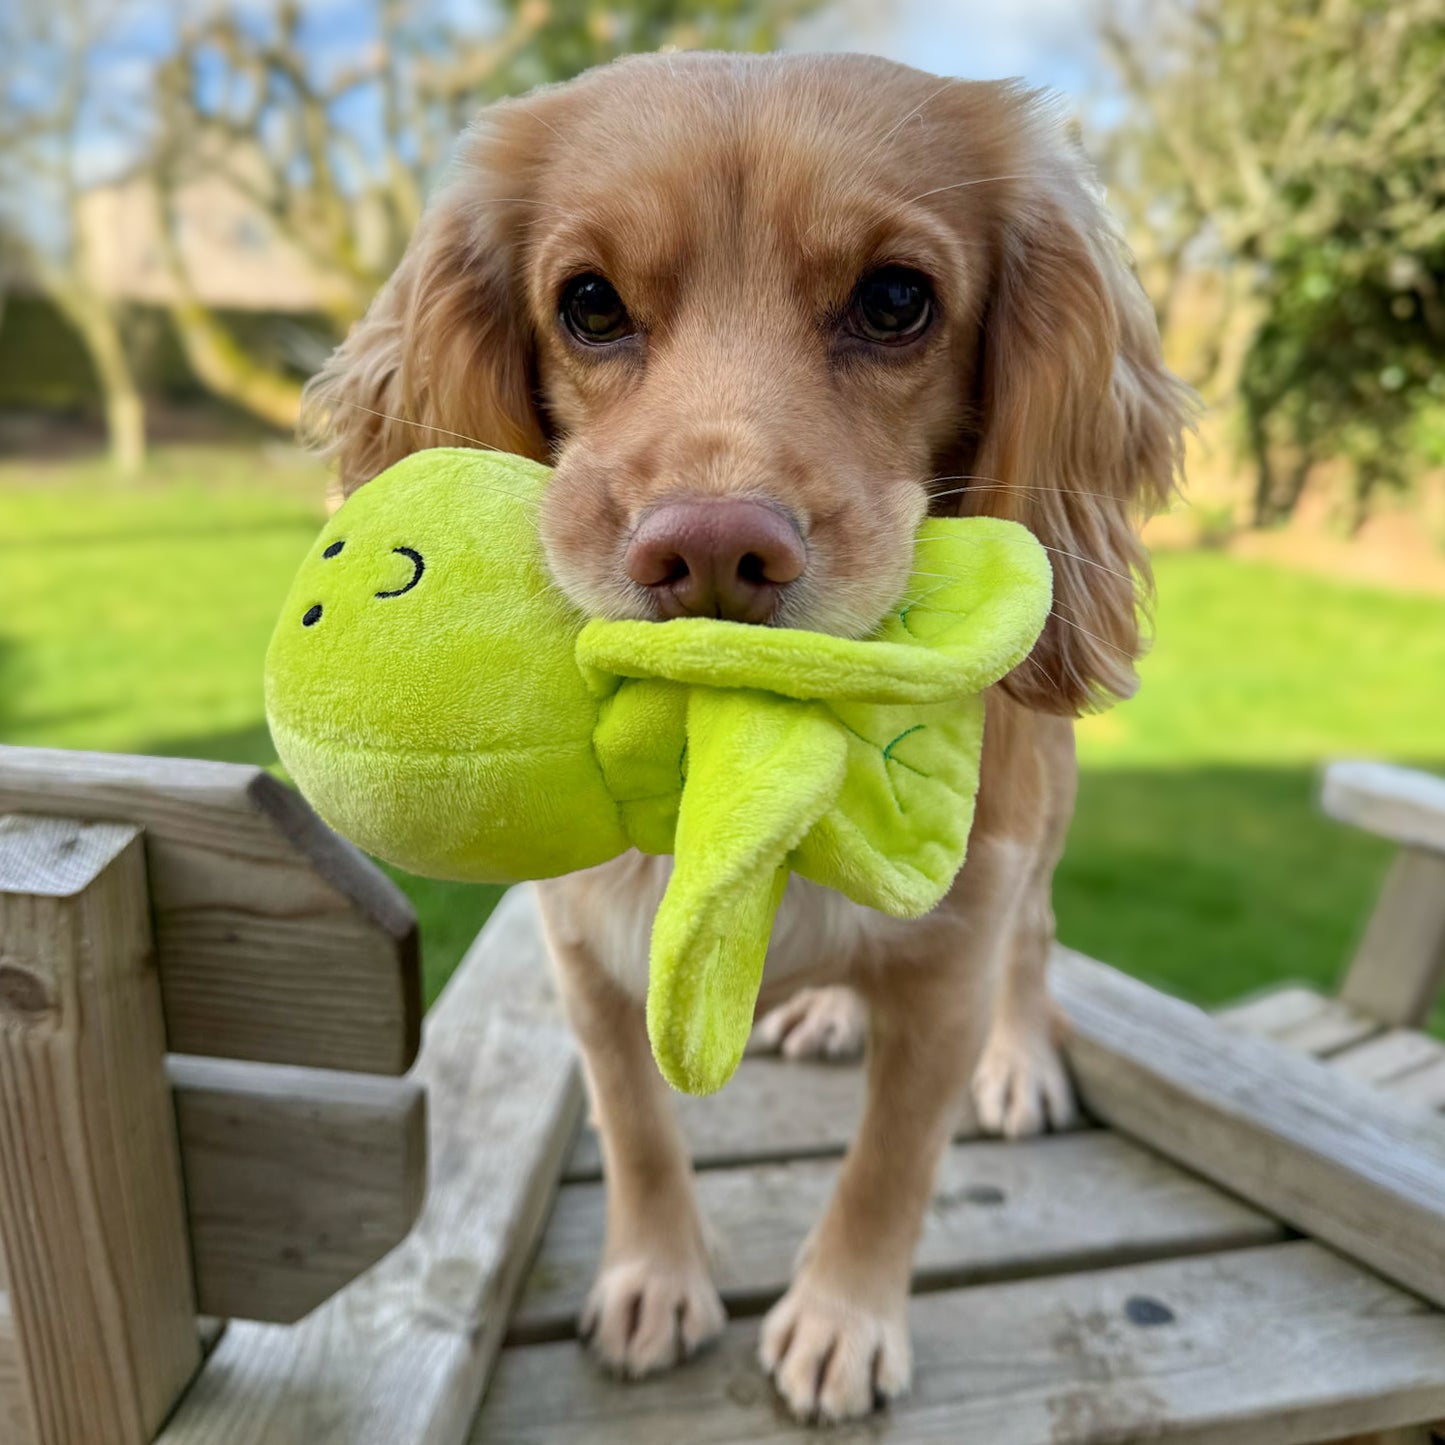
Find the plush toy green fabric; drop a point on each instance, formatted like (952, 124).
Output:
(441, 703)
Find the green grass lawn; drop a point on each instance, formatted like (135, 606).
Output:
(135, 619)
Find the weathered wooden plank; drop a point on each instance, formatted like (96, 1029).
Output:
(92, 1218)
(1402, 804)
(296, 1179)
(16, 1427)
(402, 1356)
(1275, 1346)
(1301, 1017)
(1389, 1056)
(277, 941)
(1411, 1435)
(1325, 1153)
(771, 1108)
(1266, 1014)
(999, 1210)
(1396, 973)
(1337, 1026)
(1423, 1089)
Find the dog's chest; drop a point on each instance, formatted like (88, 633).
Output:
(818, 935)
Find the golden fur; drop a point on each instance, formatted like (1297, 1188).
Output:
(734, 202)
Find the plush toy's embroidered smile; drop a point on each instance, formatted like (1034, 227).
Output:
(442, 704)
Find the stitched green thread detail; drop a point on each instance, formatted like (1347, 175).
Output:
(888, 751)
(887, 755)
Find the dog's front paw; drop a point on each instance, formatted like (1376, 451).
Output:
(832, 1358)
(1021, 1086)
(643, 1316)
(816, 1023)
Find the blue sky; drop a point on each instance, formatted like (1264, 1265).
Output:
(1048, 42)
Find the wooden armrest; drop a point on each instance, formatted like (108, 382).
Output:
(1338, 1160)
(1402, 804)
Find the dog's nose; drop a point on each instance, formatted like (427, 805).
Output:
(726, 558)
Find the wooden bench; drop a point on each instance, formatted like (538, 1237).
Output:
(1373, 1030)
(1244, 1246)
(206, 998)
(1252, 1250)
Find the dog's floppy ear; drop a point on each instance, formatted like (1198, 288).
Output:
(445, 354)
(1080, 423)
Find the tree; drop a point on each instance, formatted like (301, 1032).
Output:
(49, 101)
(336, 138)
(1295, 145)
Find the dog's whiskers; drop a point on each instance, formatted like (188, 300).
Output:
(1094, 636)
(1089, 562)
(1058, 551)
(995, 485)
(1044, 677)
(963, 185)
(898, 125)
(337, 399)
(334, 396)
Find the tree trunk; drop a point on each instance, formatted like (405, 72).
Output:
(95, 322)
(227, 371)
(1264, 470)
(217, 358)
(125, 425)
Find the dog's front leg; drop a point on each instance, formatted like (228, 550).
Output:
(653, 1303)
(836, 1345)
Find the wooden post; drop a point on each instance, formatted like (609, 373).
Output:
(1398, 970)
(101, 1315)
(1396, 975)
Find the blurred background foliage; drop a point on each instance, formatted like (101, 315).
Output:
(199, 197)
(1292, 149)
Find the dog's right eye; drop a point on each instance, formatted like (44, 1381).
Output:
(593, 312)
(892, 305)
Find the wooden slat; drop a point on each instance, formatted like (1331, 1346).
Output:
(1422, 1089)
(15, 1424)
(1411, 1435)
(1337, 1026)
(1301, 1018)
(277, 940)
(1389, 1056)
(771, 1109)
(92, 1218)
(1396, 973)
(1276, 1346)
(1329, 1155)
(1266, 1014)
(402, 1356)
(1401, 804)
(296, 1180)
(999, 1210)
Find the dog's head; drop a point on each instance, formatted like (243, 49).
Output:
(762, 314)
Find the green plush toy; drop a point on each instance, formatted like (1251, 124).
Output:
(441, 703)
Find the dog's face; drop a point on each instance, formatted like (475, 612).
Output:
(761, 314)
(744, 296)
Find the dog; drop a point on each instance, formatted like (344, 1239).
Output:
(762, 315)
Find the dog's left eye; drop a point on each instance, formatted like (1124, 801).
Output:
(593, 311)
(892, 304)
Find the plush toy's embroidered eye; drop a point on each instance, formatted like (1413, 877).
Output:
(418, 564)
(333, 549)
(312, 617)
